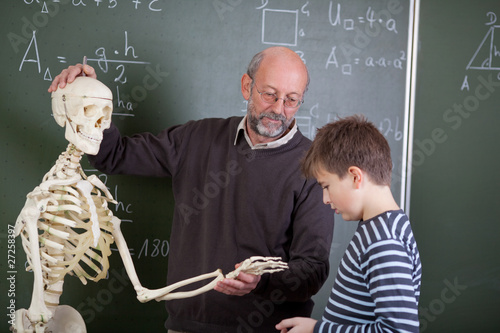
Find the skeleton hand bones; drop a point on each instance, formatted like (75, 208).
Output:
(258, 265)
(247, 275)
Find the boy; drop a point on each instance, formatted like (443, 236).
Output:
(377, 287)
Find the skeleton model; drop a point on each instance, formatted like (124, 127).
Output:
(66, 226)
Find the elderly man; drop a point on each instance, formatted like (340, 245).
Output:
(238, 193)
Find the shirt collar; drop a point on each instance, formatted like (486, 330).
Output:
(273, 144)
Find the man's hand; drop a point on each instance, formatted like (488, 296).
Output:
(296, 325)
(69, 74)
(242, 285)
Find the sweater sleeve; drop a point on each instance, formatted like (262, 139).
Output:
(312, 233)
(143, 154)
(387, 270)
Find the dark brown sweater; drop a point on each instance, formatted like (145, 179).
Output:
(232, 203)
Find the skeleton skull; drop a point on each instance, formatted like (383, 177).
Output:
(84, 107)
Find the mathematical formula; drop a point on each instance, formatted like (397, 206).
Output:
(138, 93)
(51, 7)
(365, 29)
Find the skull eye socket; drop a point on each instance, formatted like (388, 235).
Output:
(107, 112)
(104, 119)
(90, 110)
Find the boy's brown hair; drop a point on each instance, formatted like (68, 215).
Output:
(350, 141)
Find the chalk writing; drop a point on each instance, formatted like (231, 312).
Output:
(103, 61)
(397, 62)
(489, 48)
(487, 55)
(151, 5)
(139, 92)
(159, 248)
(388, 128)
(371, 17)
(274, 19)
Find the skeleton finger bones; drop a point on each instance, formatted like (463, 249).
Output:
(258, 265)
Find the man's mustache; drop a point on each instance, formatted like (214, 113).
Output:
(272, 116)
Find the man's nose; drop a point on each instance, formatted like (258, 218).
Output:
(279, 105)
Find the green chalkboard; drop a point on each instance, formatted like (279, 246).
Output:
(167, 62)
(454, 193)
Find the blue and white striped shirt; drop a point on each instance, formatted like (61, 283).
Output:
(377, 287)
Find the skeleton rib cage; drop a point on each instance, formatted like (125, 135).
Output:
(74, 228)
(66, 223)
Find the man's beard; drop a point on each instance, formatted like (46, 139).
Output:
(258, 127)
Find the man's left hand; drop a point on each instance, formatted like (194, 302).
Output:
(242, 285)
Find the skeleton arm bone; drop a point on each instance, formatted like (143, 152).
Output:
(144, 294)
(166, 294)
(27, 222)
(121, 244)
(253, 265)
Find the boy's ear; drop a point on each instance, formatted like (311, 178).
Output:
(357, 176)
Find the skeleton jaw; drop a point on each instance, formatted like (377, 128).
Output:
(96, 138)
(87, 142)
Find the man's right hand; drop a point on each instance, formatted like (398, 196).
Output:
(69, 74)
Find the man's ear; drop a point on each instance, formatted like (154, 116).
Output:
(246, 86)
(357, 176)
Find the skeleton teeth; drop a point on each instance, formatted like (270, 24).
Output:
(88, 137)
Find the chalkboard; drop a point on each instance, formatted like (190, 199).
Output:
(168, 62)
(454, 197)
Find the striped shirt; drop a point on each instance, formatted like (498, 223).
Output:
(377, 287)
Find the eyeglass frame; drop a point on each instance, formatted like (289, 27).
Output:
(299, 103)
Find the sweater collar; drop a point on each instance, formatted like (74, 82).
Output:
(273, 144)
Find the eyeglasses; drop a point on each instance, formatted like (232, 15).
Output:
(271, 98)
